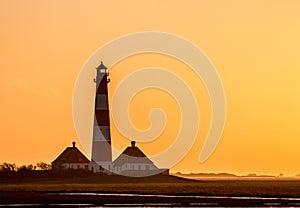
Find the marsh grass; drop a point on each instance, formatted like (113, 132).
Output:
(168, 187)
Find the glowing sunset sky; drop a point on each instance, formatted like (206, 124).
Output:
(254, 46)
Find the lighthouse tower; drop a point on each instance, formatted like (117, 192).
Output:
(101, 146)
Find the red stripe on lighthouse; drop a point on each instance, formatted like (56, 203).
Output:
(102, 117)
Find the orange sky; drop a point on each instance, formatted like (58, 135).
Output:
(254, 45)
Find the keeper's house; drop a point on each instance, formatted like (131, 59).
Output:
(71, 158)
(132, 162)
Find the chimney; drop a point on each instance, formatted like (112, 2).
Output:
(73, 143)
(132, 143)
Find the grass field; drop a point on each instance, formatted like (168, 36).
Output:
(50, 190)
(158, 185)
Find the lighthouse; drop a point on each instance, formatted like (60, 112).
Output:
(101, 145)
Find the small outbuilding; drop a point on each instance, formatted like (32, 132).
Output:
(71, 158)
(133, 162)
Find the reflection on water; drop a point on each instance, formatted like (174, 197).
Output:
(204, 201)
(183, 196)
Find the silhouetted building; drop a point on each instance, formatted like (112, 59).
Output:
(133, 162)
(71, 158)
(101, 145)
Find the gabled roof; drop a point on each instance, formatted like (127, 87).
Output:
(132, 154)
(70, 155)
